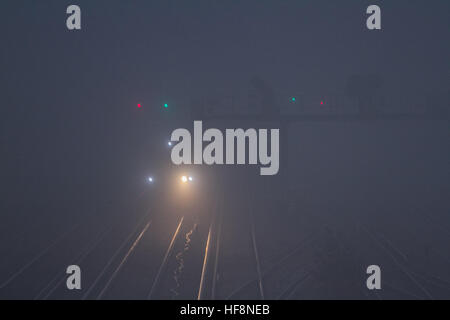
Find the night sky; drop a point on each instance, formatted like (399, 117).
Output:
(73, 142)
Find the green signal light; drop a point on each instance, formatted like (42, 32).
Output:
(293, 99)
(166, 105)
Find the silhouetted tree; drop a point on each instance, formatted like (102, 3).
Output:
(364, 87)
(266, 96)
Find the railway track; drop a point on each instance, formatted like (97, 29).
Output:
(290, 274)
(167, 256)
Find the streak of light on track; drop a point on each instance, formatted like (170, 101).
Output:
(60, 277)
(38, 256)
(307, 241)
(216, 260)
(201, 289)
(433, 280)
(401, 291)
(111, 260)
(258, 263)
(124, 260)
(290, 290)
(397, 263)
(164, 262)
